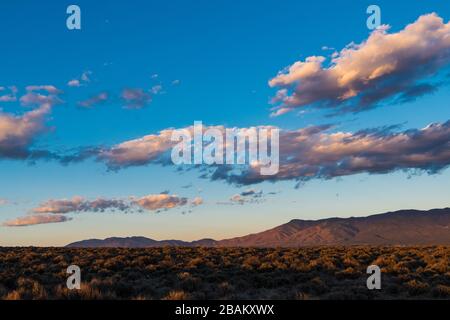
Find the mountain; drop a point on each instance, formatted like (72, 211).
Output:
(404, 227)
(138, 242)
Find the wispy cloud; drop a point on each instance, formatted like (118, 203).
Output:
(41, 95)
(85, 76)
(156, 89)
(50, 89)
(135, 98)
(94, 100)
(196, 201)
(56, 210)
(162, 201)
(74, 83)
(79, 204)
(247, 196)
(36, 219)
(395, 66)
(151, 202)
(80, 81)
(11, 94)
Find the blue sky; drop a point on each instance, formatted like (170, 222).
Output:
(213, 61)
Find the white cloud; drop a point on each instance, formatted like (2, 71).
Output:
(359, 77)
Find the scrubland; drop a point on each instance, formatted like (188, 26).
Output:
(226, 273)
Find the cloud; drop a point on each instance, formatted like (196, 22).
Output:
(74, 83)
(11, 96)
(97, 99)
(36, 99)
(36, 219)
(79, 204)
(387, 67)
(17, 133)
(85, 76)
(196, 201)
(53, 211)
(164, 201)
(151, 202)
(41, 95)
(138, 151)
(153, 148)
(247, 196)
(135, 98)
(316, 152)
(156, 89)
(50, 89)
(83, 79)
(3, 202)
(251, 193)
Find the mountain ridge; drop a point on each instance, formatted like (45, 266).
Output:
(402, 227)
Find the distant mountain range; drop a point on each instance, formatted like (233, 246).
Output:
(139, 242)
(404, 227)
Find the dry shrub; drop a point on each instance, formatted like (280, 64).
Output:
(177, 295)
(441, 291)
(251, 263)
(301, 296)
(86, 292)
(416, 287)
(225, 288)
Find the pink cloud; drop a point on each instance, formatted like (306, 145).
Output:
(36, 219)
